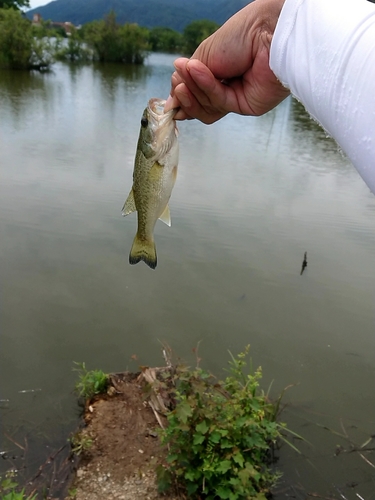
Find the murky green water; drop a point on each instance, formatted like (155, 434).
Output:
(252, 195)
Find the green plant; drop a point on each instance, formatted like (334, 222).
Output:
(80, 443)
(113, 42)
(165, 40)
(14, 4)
(8, 490)
(74, 50)
(90, 382)
(220, 435)
(72, 492)
(196, 32)
(18, 47)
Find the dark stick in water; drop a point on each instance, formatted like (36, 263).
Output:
(304, 263)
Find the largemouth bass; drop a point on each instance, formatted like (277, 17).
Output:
(154, 175)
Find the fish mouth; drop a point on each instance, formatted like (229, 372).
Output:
(162, 124)
(156, 109)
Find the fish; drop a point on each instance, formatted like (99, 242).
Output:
(154, 175)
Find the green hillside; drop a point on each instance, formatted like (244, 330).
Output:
(175, 14)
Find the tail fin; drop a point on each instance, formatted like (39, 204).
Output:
(143, 250)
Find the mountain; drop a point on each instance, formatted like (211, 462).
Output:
(175, 14)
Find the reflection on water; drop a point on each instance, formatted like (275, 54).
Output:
(252, 195)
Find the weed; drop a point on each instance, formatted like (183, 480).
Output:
(72, 493)
(80, 443)
(220, 435)
(8, 490)
(90, 382)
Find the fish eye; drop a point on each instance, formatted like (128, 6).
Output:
(144, 122)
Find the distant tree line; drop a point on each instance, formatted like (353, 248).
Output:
(168, 40)
(19, 49)
(27, 46)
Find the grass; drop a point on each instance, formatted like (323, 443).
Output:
(90, 382)
(8, 490)
(80, 443)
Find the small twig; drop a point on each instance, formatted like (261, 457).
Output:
(343, 428)
(341, 494)
(53, 475)
(113, 381)
(26, 445)
(304, 263)
(367, 442)
(315, 495)
(156, 414)
(166, 356)
(47, 462)
(366, 460)
(197, 358)
(13, 441)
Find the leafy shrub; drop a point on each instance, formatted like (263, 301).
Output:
(115, 43)
(15, 40)
(196, 32)
(219, 435)
(73, 49)
(8, 490)
(165, 40)
(18, 48)
(90, 382)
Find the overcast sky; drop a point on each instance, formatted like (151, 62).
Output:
(38, 3)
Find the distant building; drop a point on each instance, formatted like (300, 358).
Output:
(67, 26)
(37, 19)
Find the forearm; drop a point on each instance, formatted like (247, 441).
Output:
(324, 53)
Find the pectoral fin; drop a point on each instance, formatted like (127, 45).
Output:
(166, 216)
(129, 205)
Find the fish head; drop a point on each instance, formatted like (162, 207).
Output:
(158, 130)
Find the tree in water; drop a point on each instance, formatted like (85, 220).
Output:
(196, 32)
(165, 40)
(18, 48)
(115, 43)
(15, 39)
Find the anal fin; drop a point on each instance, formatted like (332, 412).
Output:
(166, 216)
(129, 205)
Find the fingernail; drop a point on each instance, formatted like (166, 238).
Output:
(180, 63)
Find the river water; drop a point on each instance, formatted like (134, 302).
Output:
(252, 195)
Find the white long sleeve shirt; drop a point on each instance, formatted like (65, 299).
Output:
(324, 52)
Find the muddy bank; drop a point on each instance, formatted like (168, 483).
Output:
(121, 445)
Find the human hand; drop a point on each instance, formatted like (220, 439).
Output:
(229, 71)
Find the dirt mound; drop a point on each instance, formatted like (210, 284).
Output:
(122, 445)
